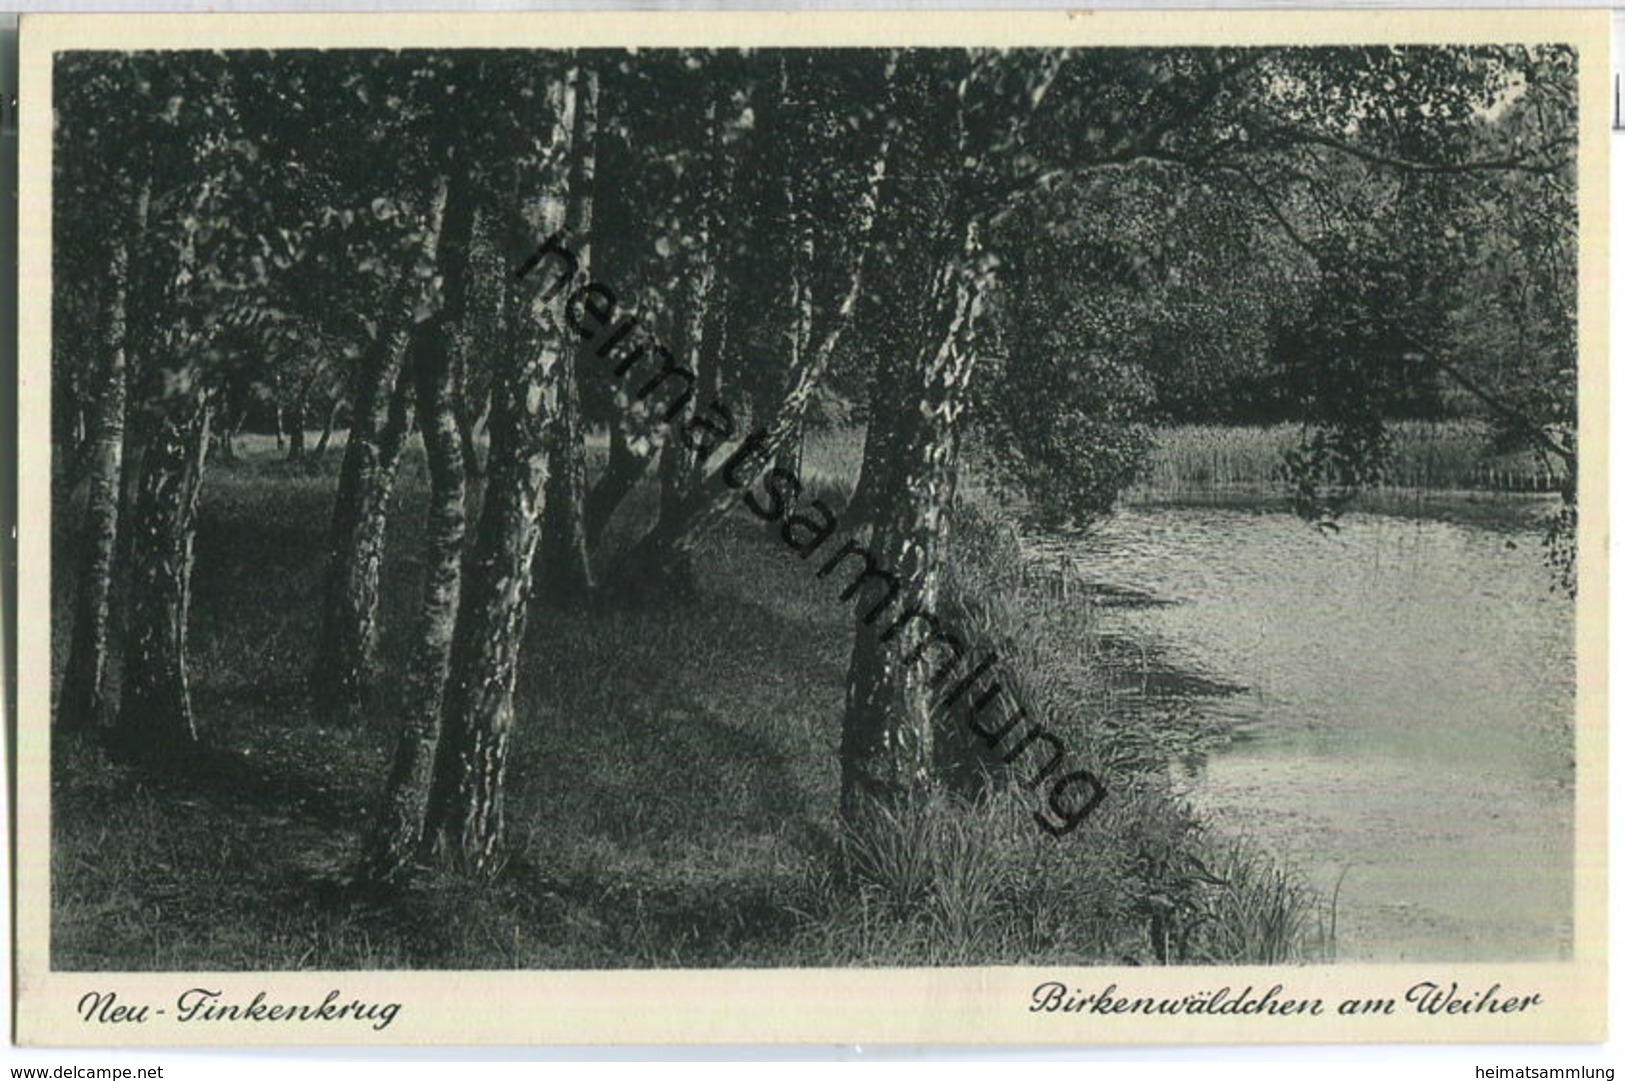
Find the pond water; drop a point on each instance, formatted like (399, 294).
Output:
(1402, 711)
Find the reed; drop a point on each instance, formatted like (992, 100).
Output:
(1439, 455)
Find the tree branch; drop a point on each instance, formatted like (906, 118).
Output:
(1274, 211)
(1294, 135)
(1144, 145)
(1541, 436)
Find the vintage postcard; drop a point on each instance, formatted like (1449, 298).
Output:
(1022, 528)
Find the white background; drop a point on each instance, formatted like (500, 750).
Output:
(1322, 1063)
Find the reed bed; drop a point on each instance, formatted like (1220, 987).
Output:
(1437, 455)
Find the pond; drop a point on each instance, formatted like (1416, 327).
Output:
(1401, 695)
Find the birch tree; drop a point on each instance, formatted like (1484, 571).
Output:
(792, 117)
(116, 191)
(464, 823)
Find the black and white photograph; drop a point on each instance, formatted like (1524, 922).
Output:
(1093, 512)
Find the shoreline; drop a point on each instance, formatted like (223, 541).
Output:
(1365, 774)
(1490, 509)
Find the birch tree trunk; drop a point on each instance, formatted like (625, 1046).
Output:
(888, 735)
(226, 431)
(680, 468)
(465, 821)
(155, 717)
(83, 682)
(327, 431)
(788, 455)
(563, 549)
(296, 435)
(674, 537)
(380, 421)
(648, 570)
(621, 474)
(398, 835)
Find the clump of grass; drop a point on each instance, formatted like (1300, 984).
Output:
(942, 880)
(1263, 914)
(936, 857)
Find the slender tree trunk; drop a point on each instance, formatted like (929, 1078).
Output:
(276, 409)
(83, 681)
(380, 422)
(621, 474)
(466, 424)
(347, 641)
(646, 571)
(81, 428)
(675, 536)
(888, 733)
(399, 833)
(563, 549)
(155, 718)
(398, 837)
(800, 320)
(327, 430)
(887, 736)
(712, 377)
(71, 429)
(800, 334)
(296, 434)
(657, 563)
(465, 813)
(135, 455)
(681, 468)
(481, 333)
(226, 433)
(678, 469)
(464, 821)
(793, 450)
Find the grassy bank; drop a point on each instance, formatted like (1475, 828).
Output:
(672, 789)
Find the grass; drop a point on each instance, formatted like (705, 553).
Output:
(672, 787)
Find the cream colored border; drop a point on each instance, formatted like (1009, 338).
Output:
(940, 1005)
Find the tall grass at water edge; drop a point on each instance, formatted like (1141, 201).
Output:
(1428, 455)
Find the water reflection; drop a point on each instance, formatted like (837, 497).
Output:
(1400, 695)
